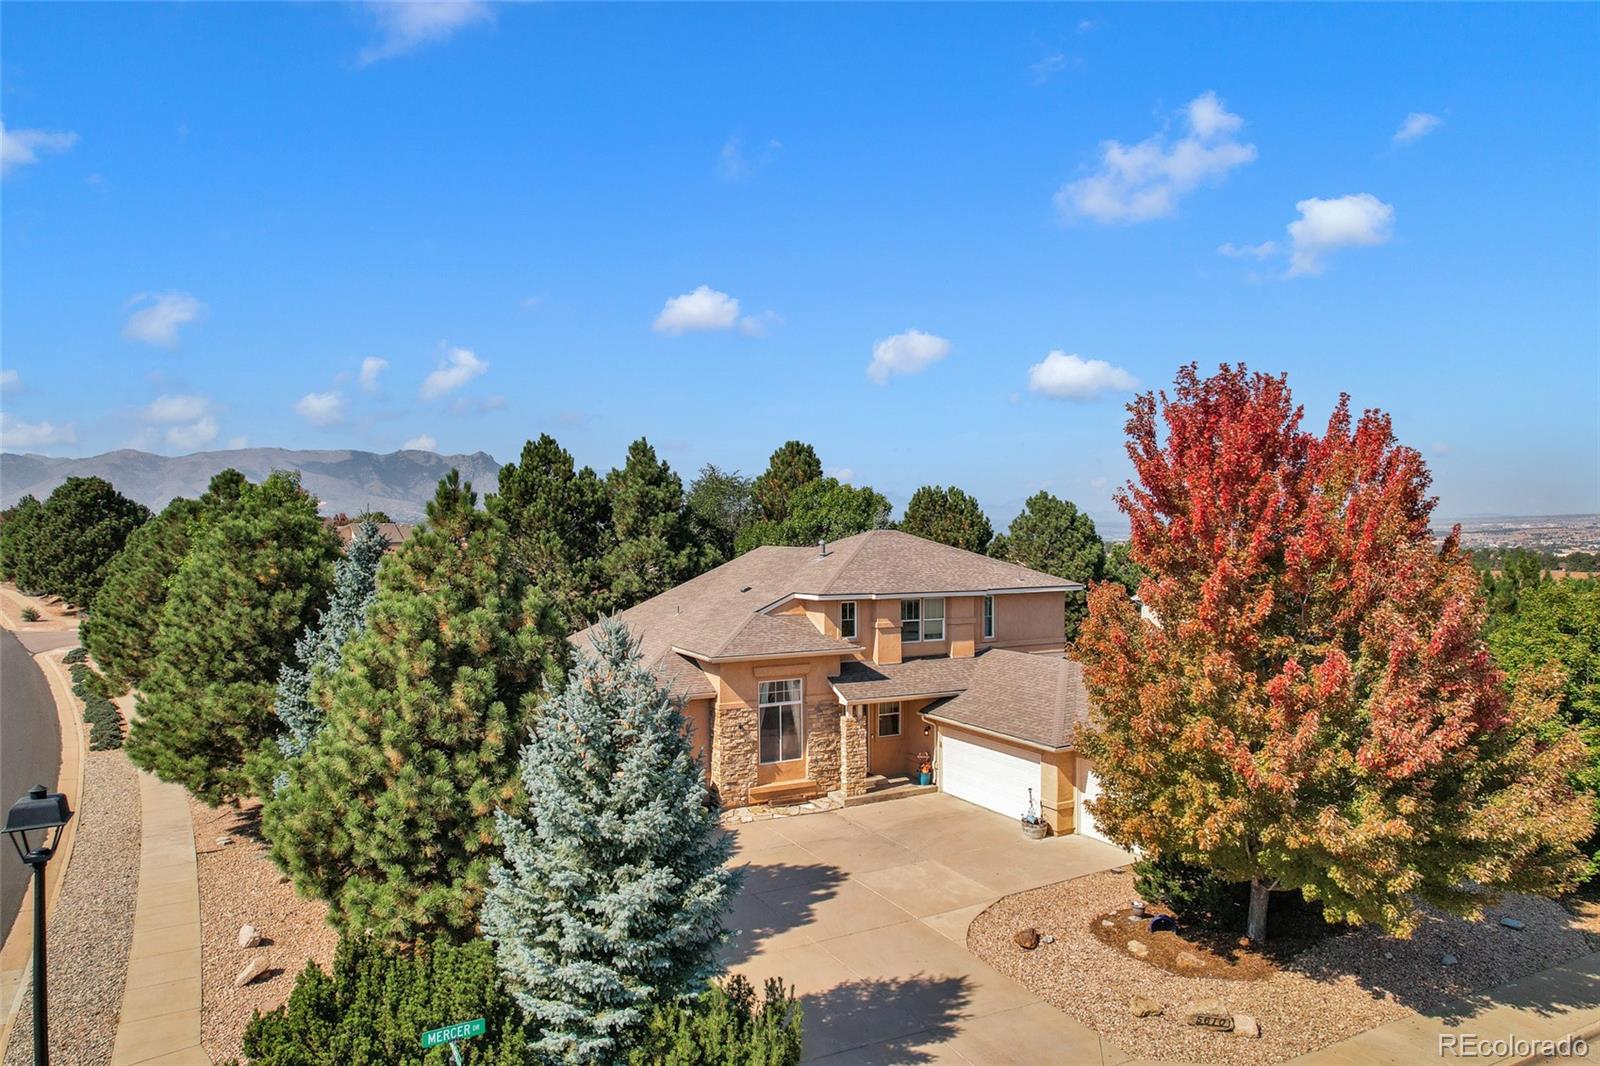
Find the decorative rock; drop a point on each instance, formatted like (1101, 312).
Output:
(249, 936)
(1138, 949)
(1244, 1025)
(1026, 939)
(1208, 1014)
(1143, 1007)
(1048, 938)
(1388, 954)
(1107, 922)
(745, 816)
(224, 841)
(808, 806)
(1189, 960)
(1449, 960)
(1511, 923)
(253, 969)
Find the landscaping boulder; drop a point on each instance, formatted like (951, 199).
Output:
(253, 969)
(1188, 960)
(1026, 939)
(1208, 1014)
(249, 936)
(1449, 960)
(1511, 923)
(1138, 949)
(1245, 1025)
(1143, 1007)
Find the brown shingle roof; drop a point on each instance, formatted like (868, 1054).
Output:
(1039, 699)
(867, 682)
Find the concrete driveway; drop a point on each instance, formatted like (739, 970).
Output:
(865, 911)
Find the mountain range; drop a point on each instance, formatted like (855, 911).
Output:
(397, 483)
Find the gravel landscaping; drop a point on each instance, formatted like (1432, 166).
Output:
(239, 886)
(1340, 987)
(91, 927)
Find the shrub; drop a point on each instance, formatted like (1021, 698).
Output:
(75, 656)
(105, 723)
(376, 1004)
(30, 614)
(1195, 894)
(727, 1026)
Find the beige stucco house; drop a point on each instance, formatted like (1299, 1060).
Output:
(829, 669)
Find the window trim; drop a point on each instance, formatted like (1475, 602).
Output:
(897, 720)
(988, 617)
(798, 703)
(855, 620)
(922, 619)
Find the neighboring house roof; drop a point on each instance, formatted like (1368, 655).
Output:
(396, 533)
(1037, 699)
(860, 682)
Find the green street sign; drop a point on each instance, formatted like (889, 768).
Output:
(451, 1033)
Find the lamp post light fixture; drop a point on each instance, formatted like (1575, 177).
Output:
(43, 814)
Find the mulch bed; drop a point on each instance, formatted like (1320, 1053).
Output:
(1195, 951)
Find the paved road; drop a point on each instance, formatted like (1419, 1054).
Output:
(30, 752)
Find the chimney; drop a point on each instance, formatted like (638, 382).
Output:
(822, 548)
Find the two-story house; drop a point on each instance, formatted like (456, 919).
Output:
(817, 670)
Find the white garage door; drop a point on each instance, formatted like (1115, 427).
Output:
(988, 773)
(1087, 787)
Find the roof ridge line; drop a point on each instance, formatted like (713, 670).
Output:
(865, 536)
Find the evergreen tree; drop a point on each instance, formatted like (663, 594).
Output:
(654, 547)
(610, 900)
(254, 576)
(791, 466)
(81, 529)
(725, 1026)
(948, 516)
(1052, 535)
(557, 522)
(721, 504)
(824, 509)
(1121, 568)
(355, 582)
(21, 520)
(389, 814)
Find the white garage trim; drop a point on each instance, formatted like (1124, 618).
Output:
(1085, 787)
(987, 772)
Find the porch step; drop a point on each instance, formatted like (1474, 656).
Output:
(880, 788)
(780, 792)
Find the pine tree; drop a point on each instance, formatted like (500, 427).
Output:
(721, 504)
(254, 576)
(654, 547)
(21, 520)
(948, 516)
(355, 583)
(1052, 535)
(824, 509)
(83, 526)
(791, 466)
(389, 814)
(557, 522)
(1314, 708)
(610, 899)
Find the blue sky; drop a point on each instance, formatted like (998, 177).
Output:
(958, 237)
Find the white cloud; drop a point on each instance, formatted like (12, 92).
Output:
(1048, 67)
(735, 164)
(905, 353)
(21, 148)
(177, 408)
(757, 325)
(1248, 251)
(1417, 125)
(703, 309)
(321, 408)
(1144, 181)
(1070, 377)
(459, 366)
(10, 379)
(406, 25)
(15, 433)
(845, 474)
(421, 443)
(159, 317)
(1344, 222)
(196, 434)
(371, 367)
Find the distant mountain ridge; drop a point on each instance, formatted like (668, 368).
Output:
(399, 483)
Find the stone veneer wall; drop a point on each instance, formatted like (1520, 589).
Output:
(734, 754)
(852, 755)
(822, 743)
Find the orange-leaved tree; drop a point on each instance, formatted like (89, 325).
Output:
(1307, 704)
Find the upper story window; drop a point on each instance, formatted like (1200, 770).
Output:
(847, 619)
(988, 618)
(921, 620)
(782, 722)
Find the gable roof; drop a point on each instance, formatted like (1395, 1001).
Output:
(862, 682)
(1038, 699)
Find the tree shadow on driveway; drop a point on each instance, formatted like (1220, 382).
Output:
(880, 1022)
(753, 923)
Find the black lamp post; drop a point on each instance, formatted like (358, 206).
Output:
(43, 814)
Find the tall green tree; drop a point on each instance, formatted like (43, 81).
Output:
(390, 813)
(1121, 568)
(794, 464)
(824, 509)
(948, 516)
(17, 527)
(653, 546)
(1515, 572)
(254, 576)
(83, 526)
(610, 900)
(557, 525)
(1052, 535)
(1313, 708)
(721, 504)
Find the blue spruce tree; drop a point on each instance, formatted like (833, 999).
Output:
(611, 897)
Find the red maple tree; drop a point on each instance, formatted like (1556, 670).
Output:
(1307, 704)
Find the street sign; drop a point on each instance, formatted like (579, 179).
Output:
(451, 1033)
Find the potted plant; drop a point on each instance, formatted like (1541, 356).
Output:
(1033, 827)
(924, 768)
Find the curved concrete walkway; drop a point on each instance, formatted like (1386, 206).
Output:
(160, 1021)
